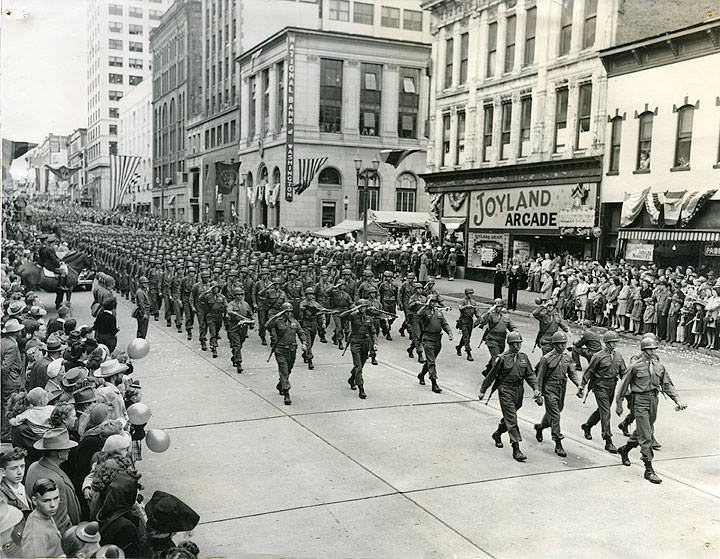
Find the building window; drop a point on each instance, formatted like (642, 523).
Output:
(266, 100)
(339, 10)
(390, 17)
(505, 127)
(115, 95)
(530, 27)
(134, 29)
(327, 217)
(115, 26)
(113, 148)
(566, 18)
(232, 131)
(409, 102)
(510, 43)
(684, 136)
(412, 20)
(251, 109)
(281, 96)
(115, 9)
(488, 113)
(460, 139)
(330, 95)
(112, 129)
(330, 176)
(115, 44)
(113, 112)
(525, 124)
(363, 13)
(115, 61)
(645, 140)
(405, 193)
(464, 54)
(445, 155)
(492, 49)
(615, 135)
(582, 134)
(589, 23)
(154, 14)
(561, 104)
(135, 12)
(115, 78)
(136, 63)
(370, 97)
(134, 80)
(135, 46)
(448, 63)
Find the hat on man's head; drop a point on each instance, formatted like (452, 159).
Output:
(54, 343)
(36, 311)
(55, 439)
(109, 368)
(84, 395)
(16, 307)
(88, 532)
(11, 326)
(74, 376)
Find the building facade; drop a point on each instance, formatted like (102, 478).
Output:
(77, 150)
(317, 101)
(661, 184)
(135, 128)
(176, 99)
(53, 151)
(118, 59)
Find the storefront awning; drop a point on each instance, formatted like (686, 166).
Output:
(347, 226)
(669, 235)
(452, 223)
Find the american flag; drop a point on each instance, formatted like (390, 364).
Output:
(309, 167)
(396, 156)
(122, 174)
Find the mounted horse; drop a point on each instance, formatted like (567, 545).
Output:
(34, 277)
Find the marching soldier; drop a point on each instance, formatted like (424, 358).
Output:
(294, 291)
(645, 377)
(340, 301)
(166, 282)
(275, 298)
(142, 312)
(260, 301)
(497, 324)
(309, 310)
(199, 307)
(606, 367)
(155, 280)
(362, 340)
(176, 294)
(549, 323)
(322, 287)
(367, 284)
(404, 293)
(587, 346)
(376, 312)
(554, 369)
(432, 323)
(239, 319)
(215, 306)
(284, 329)
(388, 301)
(506, 376)
(469, 319)
(415, 301)
(186, 295)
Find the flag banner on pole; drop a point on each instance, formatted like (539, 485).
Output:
(63, 172)
(227, 176)
(11, 150)
(396, 156)
(308, 167)
(632, 206)
(122, 171)
(692, 202)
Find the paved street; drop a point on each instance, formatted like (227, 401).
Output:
(410, 473)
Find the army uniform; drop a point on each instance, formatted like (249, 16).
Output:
(415, 301)
(275, 298)
(362, 340)
(199, 289)
(550, 322)
(340, 302)
(468, 320)
(259, 299)
(322, 296)
(176, 295)
(285, 329)
(388, 300)
(498, 324)
(142, 300)
(188, 304)
(587, 346)
(155, 278)
(237, 312)
(167, 279)
(215, 305)
(309, 311)
(433, 323)
(294, 292)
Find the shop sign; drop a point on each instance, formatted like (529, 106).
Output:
(534, 208)
(290, 119)
(711, 250)
(521, 252)
(486, 250)
(639, 251)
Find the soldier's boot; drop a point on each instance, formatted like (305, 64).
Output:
(351, 381)
(311, 366)
(189, 336)
(435, 387)
(373, 360)
(469, 356)
(623, 451)
(214, 351)
(586, 431)
(402, 330)
(334, 339)
(655, 445)
(361, 392)
(624, 428)
(323, 339)
(421, 378)
(203, 345)
(559, 450)
(458, 350)
(263, 341)
(421, 358)
(304, 357)
(538, 432)
(497, 438)
(388, 337)
(609, 446)
(278, 387)
(650, 474)
(341, 345)
(239, 368)
(179, 328)
(410, 352)
(157, 317)
(168, 324)
(287, 401)
(517, 453)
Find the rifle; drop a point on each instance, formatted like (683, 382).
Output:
(537, 341)
(272, 351)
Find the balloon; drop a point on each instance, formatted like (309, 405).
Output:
(138, 348)
(157, 440)
(139, 414)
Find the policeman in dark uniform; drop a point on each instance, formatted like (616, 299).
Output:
(553, 370)
(587, 346)
(362, 340)
(432, 324)
(239, 319)
(469, 318)
(285, 329)
(507, 375)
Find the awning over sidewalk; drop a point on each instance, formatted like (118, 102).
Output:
(347, 226)
(668, 235)
(401, 219)
(452, 223)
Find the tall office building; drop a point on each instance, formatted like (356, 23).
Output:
(118, 59)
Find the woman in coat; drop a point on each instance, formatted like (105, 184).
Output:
(121, 524)
(106, 325)
(637, 309)
(546, 287)
(622, 304)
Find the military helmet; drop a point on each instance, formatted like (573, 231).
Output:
(371, 290)
(276, 279)
(469, 291)
(611, 336)
(191, 269)
(362, 302)
(309, 291)
(238, 291)
(514, 337)
(286, 307)
(205, 274)
(233, 273)
(387, 274)
(558, 337)
(143, 279)
(417, 285)
(648, 343)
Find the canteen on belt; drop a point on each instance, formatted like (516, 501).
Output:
(157, 440)
(139, 414)
(138, 348)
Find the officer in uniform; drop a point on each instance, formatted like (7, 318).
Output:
(374, 310)
(199, 307)
(497, 324)
(388, 301)
(415, 301)
(188, 305)
(587, 346)
(606, 367)
(239, 319)
(645, 377)
(362, 341)
(215, 305)
(553, 370)
(294, 291)
(507, 375)
(404, 293)
(275, 298)
(432, 323)
(549, 323)
(142, 312)
(260, 301)
(340, 301)
(469, 318)
(167, 279)
(284, 329)
(309, 310)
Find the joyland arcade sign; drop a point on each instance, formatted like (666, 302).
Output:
(290, 120)
(547, 207)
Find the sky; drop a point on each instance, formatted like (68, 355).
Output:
(43, 45)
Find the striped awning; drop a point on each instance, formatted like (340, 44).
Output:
(669, 235)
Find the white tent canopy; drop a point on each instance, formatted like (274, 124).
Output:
(401, 219)
(347, 226)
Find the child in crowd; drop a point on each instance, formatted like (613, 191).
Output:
(649, 316)
(37, 416)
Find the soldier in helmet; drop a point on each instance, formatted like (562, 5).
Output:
(415, 301)
(166, 281)
(587, 346)
(294, 291)
(388, 300)
(362, 341)
(554, 368)
(340, 301)
(260, 301)
(155, 281)
(274, 299)
(215, 305)
(199, 307)
(606, 367)
(497, 324)
(188, 304)
(550, 321)
(645, 377)
(284, 329)
(469, 318)
(309, 310)
(507, 375)
(404, 293)
(176, 296)
(239, 318)
(142, 312)
(432, 324)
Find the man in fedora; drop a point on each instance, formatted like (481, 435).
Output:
(111, 371)
(74, 378)
(55, 447)
(10, 516)
(38, 373)
(12, 367)
(16, 310)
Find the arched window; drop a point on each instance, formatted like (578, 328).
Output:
(263, 175)
(683, 141)
(276, 176)
(330, 176)
(405, 193)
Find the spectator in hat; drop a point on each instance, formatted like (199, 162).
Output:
(649, 316)
(166, 515)
(106, 325)
(38, 373)
(55, 446)
(12, 367)
(82, 540)
(73, 355)
(55, 373)
(74, 378)
(10, 524)
(41, 537)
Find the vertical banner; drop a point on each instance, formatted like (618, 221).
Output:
(290, 119)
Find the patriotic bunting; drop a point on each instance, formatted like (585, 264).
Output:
(692, 202)
(227, 176)
(456, 199)
(395, 156)
(632, 206)
(12, 150)
(63, 172)
(309, 167)
(653, 207)
(122, 172)
(672, 203)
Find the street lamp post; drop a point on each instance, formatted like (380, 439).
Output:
(346, 203)
(363, 178)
